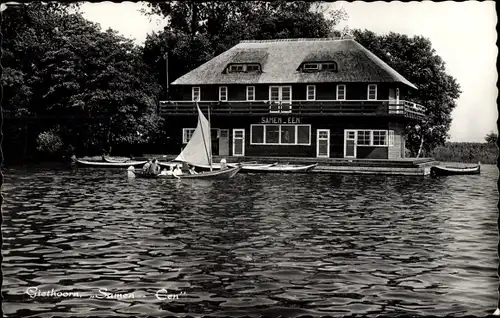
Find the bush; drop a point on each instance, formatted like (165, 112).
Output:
(467, 152)
(49, 142)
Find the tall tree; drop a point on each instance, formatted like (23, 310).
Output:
(92, 84)
(417, 61)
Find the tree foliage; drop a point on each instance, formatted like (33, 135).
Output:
(491, 138)
(59, 65)
(417, 61)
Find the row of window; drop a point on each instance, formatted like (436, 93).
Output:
(300, 135)
(280, 135)
(284, 93)
(371, 137)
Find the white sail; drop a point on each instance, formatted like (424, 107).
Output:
(198, 150)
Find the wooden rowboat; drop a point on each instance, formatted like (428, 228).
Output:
(116, 159)
(451, 170)
(101, 164)
(282, 168)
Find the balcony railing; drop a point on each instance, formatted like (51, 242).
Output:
(297, 107)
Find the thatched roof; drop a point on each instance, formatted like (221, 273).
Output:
(280, 60)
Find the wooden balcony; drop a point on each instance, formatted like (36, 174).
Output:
(297, 108)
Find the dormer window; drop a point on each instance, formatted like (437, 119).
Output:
(244, 68)
(329, 66)
(320, 66)
(311, 67)
(253, 68)
(236, 68)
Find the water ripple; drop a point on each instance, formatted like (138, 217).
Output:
(256, 245)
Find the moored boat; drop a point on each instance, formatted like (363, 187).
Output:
(116, 159)
(282, 168)
(104, 164)
(454, 170)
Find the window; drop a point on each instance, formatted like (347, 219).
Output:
(256, 134)
(236, 68)
(303, 135)
(280, 98)
(250, 93)
(391, 137)
(379, 138)
(287, 134)
(311, 92)
(311, 67)
(272, 134)
(195, 94)
(223, 93)
(372, 92)
(253, 68)
(329, 66)
(341, 92)
(375, 138)
(280, 134)
(364, 137)
(187, 133)
(274, 93)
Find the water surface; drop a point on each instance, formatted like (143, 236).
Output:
(312, 244)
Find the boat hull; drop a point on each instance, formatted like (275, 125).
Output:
(244, 166)
(116, 160)
(448, 171)
(212, 175)
(102, 164)
(216, 174)
(282, 169)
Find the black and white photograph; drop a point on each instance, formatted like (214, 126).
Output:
(249, 159)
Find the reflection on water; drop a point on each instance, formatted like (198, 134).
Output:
(255, 245)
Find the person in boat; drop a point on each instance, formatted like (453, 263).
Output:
(177, 171)
(223, 164)
(170, 171)
(146, 166)
(154, 168)
(185, 168)
(192, 171)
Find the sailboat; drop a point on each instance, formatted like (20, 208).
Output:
(198, 151)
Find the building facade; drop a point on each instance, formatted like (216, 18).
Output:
(296, 97)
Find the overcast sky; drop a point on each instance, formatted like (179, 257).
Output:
(462, 33)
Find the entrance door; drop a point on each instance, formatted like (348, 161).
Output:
(350, 143)
(224, 142)
(323, 143)
(238, 142)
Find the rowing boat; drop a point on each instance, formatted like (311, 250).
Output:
(108, 164)
(116, 159)
(453, 170)
(282, 168)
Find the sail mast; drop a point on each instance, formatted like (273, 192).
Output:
(210, 141)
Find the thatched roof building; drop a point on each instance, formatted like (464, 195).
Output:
(280, 62)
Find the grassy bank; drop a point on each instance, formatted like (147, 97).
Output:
(467, 152)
